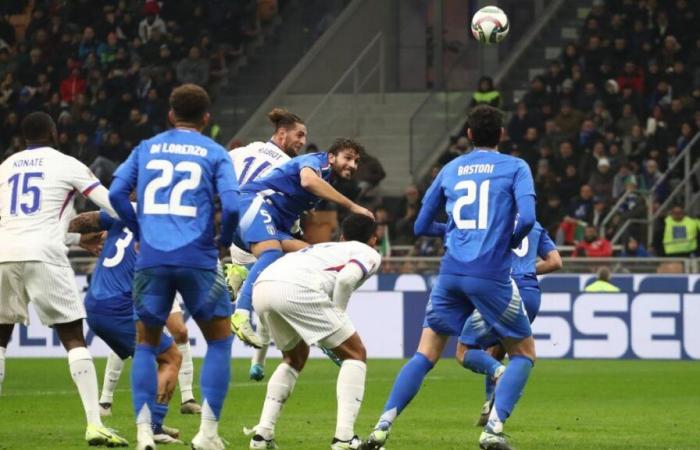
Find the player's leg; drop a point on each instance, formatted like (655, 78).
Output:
(257, 362)
(205, 295)
(178, 330)
(5, 334)
(53, 292)
(153, 294)
(169, 361)
(113, 371)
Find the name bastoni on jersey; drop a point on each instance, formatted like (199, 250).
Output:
(180, 149)
(475, 168)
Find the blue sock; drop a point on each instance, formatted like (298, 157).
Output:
(216, 374)
(490, 387)
(158, 416)
(510, 386)
(406, 386)
(479, 361)
(245, 298)
(144, 380)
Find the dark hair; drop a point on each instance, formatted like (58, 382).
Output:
(341, 144)
(37, 126)
(485, 123)
(358, 227)
(281, 118)
(189, 103)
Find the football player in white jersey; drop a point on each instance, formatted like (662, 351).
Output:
(37, 187)
(250, 162)
(301, 298)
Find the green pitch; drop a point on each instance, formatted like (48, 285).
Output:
(567, 405)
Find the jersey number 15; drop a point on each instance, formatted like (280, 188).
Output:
(472, 191)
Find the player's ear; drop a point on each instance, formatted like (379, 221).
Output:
(469, 135)
(373, 240)
(171, 117)
(205, 120)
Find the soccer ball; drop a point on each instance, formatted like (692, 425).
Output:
(490, 25)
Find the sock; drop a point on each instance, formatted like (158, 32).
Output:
(406, 386)
(478, 361)
(144, 383)
(186, 374)
(259, 356)
(279, 388)
(158, 416)
(2, 367)
(112, 373)
(245, 298)
(509, 389)
(216, 374)
(82, 369)
(350, 391)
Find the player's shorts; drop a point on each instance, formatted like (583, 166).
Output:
(203, 291)
(119, 333)
(293, 313)
(454, 298)
(50, 288)
(241, 257)
(259, 222)
(476, 332)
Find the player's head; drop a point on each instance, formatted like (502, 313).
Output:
(604, 273)
(344, 157)
(38, 128)
(358, 227)
(485, 126)
(290, 131)
(189, 106)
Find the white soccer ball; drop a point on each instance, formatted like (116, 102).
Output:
(490, 25)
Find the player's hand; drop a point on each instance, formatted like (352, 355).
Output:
(357, 209)
(93, 242)
(137, 247)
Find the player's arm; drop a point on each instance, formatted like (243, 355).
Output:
(433, 200)
(122, 184)
(524, 193)
(87, 222)
(85, 182)
(227, 187)
(312, 182)
(363, 265)
(551, 259)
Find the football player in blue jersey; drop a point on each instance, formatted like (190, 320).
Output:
(270, 205)
(110, 310)
(177, 175)
(481, 192)
(476, 337)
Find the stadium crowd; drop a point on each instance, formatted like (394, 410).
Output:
(609, 116)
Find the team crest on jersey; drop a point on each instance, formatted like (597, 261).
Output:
(270, 229)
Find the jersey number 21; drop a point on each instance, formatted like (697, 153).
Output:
(472, 191)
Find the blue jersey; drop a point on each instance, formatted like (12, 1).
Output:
(282, 186)
(177, 175)
(479, 191)
(536, 243)
(110, 284)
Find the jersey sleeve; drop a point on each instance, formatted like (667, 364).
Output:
(433, 200)
(80, 176)
(106, 221)
(367, 258)
(315, 162)
(129, 169)
(545, 245)
(225, 174)
(523, 183)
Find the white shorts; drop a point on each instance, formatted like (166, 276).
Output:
(50, 288)
(176, 306)
(241, 257)
(292, 313)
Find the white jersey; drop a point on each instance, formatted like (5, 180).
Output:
(37, 189)
(256, 159)
(317, 267)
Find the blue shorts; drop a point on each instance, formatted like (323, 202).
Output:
(203, 291)
(476, 333)
(454, 298)
(119, 333)
(259, 221)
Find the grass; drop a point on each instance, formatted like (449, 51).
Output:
(567, 405)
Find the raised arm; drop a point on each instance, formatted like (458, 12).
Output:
(320, 188)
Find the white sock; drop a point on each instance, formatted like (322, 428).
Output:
(208, 426)
(112, 373)
(2, 367)
(279, 388)
(350, 390)
(259, 355)
(82, 369)
(186, 374)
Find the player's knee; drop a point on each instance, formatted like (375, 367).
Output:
(297, 357)
(358, 352)
(179, 333)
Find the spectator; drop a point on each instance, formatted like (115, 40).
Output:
(459, 147)
(193, 69)
(628, 120)
(568, 120)
(381, 216)
(519, 123)
(631, 77)
(406, 216)
(588, 135)
(369, 174)
(600, 211)
(601, 180)
(587, 99)
(486, 93)
(581, 207)
(537, 95)
(136, 129)
(650, 177)
(680, 234)
(551, 214)
(151, 22)
(593, 246)
(88, 44)
(552, 137)
(72, 86)
(623, 174)
(633, 249)
(569, 183)
(602, 282)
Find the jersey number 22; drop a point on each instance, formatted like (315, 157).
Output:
(167, 169)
